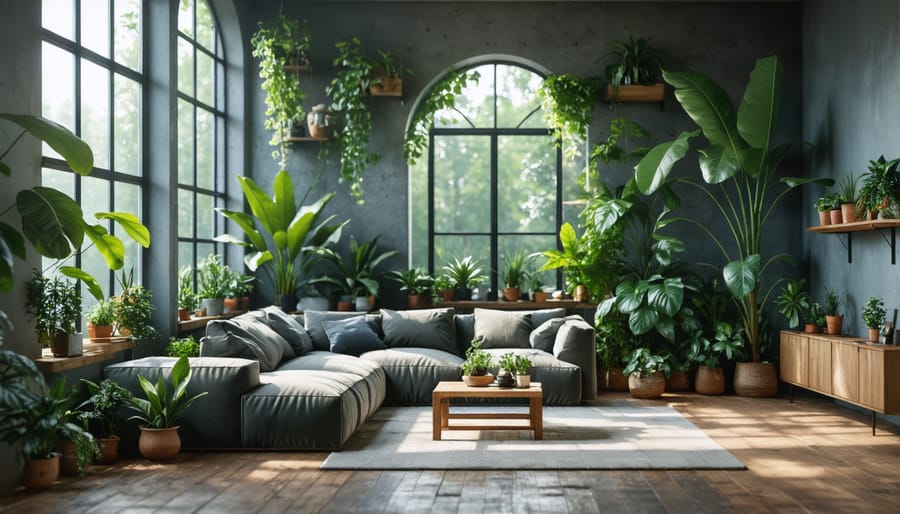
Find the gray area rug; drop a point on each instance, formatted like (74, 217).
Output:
(618, 435)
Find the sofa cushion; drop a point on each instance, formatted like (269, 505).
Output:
(465, 331)
(317, 333)
(290, 329)
(502, 329)
(248, 336)
(428, 328)
(560, 380)
(351, 336)
(543, 336)
(372, 374)
(412, 373)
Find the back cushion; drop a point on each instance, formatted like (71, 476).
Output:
(248, 336)
(428, 328)
(539, 316)
(544, 335)
(351, 336)
(502, 329)
(465, 331)
(317, 333)
(290, 329)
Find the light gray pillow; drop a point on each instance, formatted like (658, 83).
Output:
(543, 337)
(502, 329)
(538, 317)
(248, 336)
(426, 328)
(317, 333)
(290, 329)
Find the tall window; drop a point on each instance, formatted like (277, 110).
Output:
(92, 84)
(492, 183)
(201, 129)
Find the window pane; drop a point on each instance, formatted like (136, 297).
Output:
(516, 95)
(186, 16)
(128, 199)
(526, 180)
(128, 125)
(94, 199)
(59, 16)
(61, 180)
(206, 72)
(185, 213)
(475, 103)
(57, 95)
(206, 26)
(462, 178)
(530, 245)
(185, 67)
(95, 111)
(95, 26)
(185, 143)
(448, 248)
(204, 250)
(418, 197)
(205, 148)
(128, 33)
(206, 228)
(185, 255)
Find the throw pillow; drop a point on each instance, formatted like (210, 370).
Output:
(502, 329)
(352, 336)
(247, 336)
(315, 329)
(427, 328)
(290, 329)
(543, 337)
(465, 331)
(538, 317)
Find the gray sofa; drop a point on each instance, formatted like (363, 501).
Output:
(309, 382)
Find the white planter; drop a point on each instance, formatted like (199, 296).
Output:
(362, 304)
(523, 381)
(313, 303)
(76, 345)
(214, 306)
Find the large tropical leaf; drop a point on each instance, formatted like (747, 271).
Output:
(12, 245)
(709, 106)
(653, 170)
(606, 215)
(284, 196)
(718, 164)
(262, 207)
(666, 296)
(51, 221)
(245, 222)
(76, 152)
(741, 276)
(110, 247)
(642, 320)
(757, 116)
(130, 224)
(630, 295)
(91, 283)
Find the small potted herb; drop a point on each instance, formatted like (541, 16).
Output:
(849, 196)
(522, 368)
(134, 309)
(213, 284)
(475, 368)
(834, 320)
(873, 314)
(418, 285)
(515, 275)
(443, 286)
(100, 319)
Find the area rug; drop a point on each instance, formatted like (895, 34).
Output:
(616, 435)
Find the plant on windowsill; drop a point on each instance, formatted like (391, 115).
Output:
(475, 369)
(278, 46)
(465, 274)
(417, 283)
(632, 75)
(443, 287)
(134, 309)
(187, 300)
(101, 319)
(516, 275)
(55, 304)
(356, 275)
(106, 400)
(239, 287)
(213, 284)
(873, 314)
(646, 374)
(387, 75)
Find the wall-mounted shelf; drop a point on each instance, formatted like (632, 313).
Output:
(633, 93)
(305, 139)
(863, 226)
(298, 68)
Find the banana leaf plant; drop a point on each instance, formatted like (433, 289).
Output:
(282, 238)
(52, 221)
(739, 171)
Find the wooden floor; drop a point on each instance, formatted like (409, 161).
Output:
(809, 456)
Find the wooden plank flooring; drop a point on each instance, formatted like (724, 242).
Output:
(809, 456)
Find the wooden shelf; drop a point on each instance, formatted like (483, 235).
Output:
(194, 323)
(298, 68)
(634, 93)
(92, 353)
(305, 139)
(863, 226)
(520, 305)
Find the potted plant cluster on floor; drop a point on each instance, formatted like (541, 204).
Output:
(476, 368)
(710, 378)
(106, 400)
(646, 374)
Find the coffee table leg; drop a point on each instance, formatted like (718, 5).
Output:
(537, 418)
(437, 412)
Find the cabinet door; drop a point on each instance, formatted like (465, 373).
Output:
(871, 378)
(820, 365)
(794, 358)
(845, 362)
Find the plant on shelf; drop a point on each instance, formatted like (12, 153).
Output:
(794, 303)
(834, 320)
(443, 287)
(101, 319)
(183, 346)
(647, 373)
(849, 196)
(159, 413)
(356, 275)
(187, 300)
(214, 283)
(880, 191)
(516, 274)
(282, 239)
(105, 401)
(441, 98)
(387, 74)
(634, 62)
(828, 202)
(55, 305)
(873, 314)
(478, 363)
(277, 45)
(417, 283)
(134, 309)
(465, 274)
(739, 171)
(727, 343)
(352, 136)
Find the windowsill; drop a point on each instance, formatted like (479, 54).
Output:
(195, 323)
(518, 305)
(91, 354)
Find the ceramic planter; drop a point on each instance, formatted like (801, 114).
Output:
(824, 218)
(230, 305)
(540, 296)
(873, 334)
(709, 381)
(848, 212)
(834, 324)
(614, 380)
(511, 294)
(835, 215)
(159, 444)
(214, 306)
(109, 450)
(523, 381)
(647, 387)
(679, 381)
(755, 379)
(41, 473)
(184, 315)
(478, 380)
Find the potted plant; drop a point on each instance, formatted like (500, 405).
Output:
(567, 103)
(873, 315)
(710, 379)
(522, 369)
(475, 369)
(306, 230)
(834, 320)
(465, 274)
(106, 400)
(281, 48)
(794, 303)
(646, 374)
(506, 374)
(55, 305)
(356, 275)
(826, 206)
(183, 346)
(515, 275)
(160, 412)
(387, 75)
(346, 93)
(187, 300)
(100, 319)
(537, 288)
(213, 284)
(848, 187)
(134, 309)
(634, 66)
(442, 96)
(880, 189)
(443, 286)
(417, 283)
(614, 343)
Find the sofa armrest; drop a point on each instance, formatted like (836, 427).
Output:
(575, 344)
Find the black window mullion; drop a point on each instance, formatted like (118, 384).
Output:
(431, 233)
(495, 224)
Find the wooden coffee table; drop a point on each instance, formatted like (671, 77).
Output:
(444, 391)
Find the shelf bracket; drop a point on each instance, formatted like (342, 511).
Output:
(892, 242)
(848, 245)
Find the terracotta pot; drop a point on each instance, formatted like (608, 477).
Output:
(446, 295)
(478, 380)
(647, 387)
(419, 301)
(388, 86)
(824, 218)
(873, 334)
(109, 450)
(59, 344)
(462, 294)
(68, 457)
(848, 212)
(245, 303)
(231, 305)
(319, 131)
(184, 315)
(41, 473)
(614, 380)
(511, 294)
(755, 379)
(541, 296)
(710, 381)
(344, 306)
(581, 293)
(835, 215)
(834, 325)
(101, 331)
(679, 381)
(159, 443)
(811, 328)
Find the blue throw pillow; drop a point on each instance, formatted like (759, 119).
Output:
(352, 336)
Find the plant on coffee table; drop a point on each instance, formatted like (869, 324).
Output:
(477, 364)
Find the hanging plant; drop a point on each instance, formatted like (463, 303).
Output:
(277, 45)
(567, 102)
(346, 93)
(442, 96)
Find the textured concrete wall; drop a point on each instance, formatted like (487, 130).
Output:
(722, 40)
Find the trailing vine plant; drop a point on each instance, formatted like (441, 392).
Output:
(567, 103)
(442, 96)
(276, 45)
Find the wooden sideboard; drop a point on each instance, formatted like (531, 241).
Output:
(846, 368)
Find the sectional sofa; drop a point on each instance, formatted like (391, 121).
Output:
(278, 381)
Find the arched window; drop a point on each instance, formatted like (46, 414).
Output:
(493, 179)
